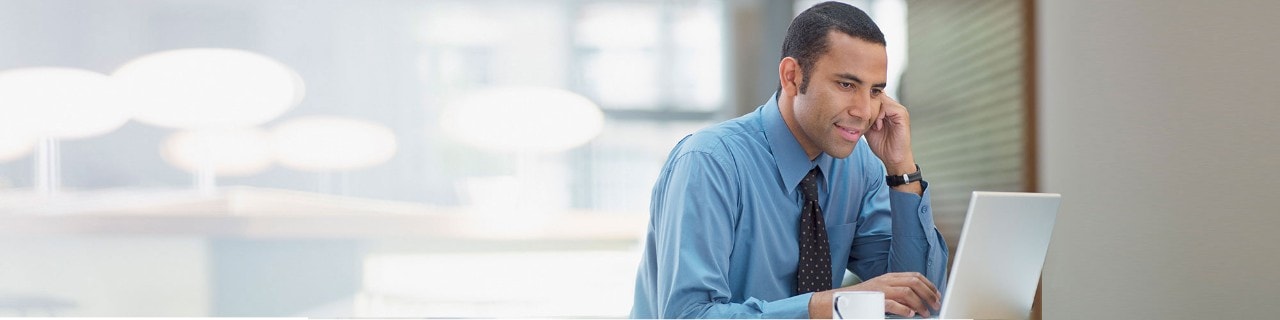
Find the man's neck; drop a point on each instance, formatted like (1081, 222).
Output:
(785, 107)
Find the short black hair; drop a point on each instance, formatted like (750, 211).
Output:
(807, 36)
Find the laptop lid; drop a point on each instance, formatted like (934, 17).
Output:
(1000, 255)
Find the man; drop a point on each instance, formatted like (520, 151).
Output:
(759, 216)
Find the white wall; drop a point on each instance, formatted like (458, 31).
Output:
(1158, 122)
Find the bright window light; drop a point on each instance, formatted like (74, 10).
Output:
(698, 84)
(891, 16)
(619, 25)
(624, 79)
(458, 25)
(209, 88)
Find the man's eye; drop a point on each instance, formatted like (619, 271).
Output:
(876, 92)
(846, 85)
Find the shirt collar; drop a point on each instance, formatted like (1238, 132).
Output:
(793, 163)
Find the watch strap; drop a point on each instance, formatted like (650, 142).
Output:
(897, 180)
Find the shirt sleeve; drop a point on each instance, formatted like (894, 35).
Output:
(896, 233)
(694, 215)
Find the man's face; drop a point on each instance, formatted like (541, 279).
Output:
(842, 99)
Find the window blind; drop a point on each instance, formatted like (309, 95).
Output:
(966, 89)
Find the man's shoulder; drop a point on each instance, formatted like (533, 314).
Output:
(724, 138)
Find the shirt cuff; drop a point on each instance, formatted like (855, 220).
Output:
(912, 214)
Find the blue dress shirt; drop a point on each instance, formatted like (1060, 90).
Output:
(723, 232)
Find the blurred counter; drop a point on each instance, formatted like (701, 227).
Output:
(249, 212)
(245, 251)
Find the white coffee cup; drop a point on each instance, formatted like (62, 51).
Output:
(858, 305)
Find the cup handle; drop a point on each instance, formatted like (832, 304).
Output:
(836, 306)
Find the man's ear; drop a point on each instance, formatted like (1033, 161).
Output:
(789, 76)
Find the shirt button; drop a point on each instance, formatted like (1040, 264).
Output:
(924, 209)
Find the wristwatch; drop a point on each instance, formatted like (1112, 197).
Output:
(895, 181)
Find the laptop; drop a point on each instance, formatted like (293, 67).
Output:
(1000, 254)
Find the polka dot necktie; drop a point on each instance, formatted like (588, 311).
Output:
(814, 270)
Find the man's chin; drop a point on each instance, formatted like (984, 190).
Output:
(842, 152)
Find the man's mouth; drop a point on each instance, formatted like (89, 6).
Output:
(849, 133)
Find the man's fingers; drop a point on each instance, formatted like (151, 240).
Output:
(921, 285)
(933, 289)
(913, 278)
(894, 307)
(879, 123)
(891, 111)
(924, 289)
(885, 98)
(922, 292)
(918, 288)
(910, 291)
(908, 297)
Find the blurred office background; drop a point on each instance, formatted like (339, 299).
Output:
(494, 158)
(445, 158)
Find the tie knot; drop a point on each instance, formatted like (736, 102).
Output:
(809, 185)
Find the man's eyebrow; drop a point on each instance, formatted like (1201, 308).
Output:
(859, 81)
(849, 77)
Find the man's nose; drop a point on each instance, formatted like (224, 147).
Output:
(861, 106)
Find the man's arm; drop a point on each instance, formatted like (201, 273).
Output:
(916, 245)
(693, 212)
(895, 231)
(895, 228)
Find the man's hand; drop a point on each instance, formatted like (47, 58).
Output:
(905, 294)
(890, 139)
(890, 136)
